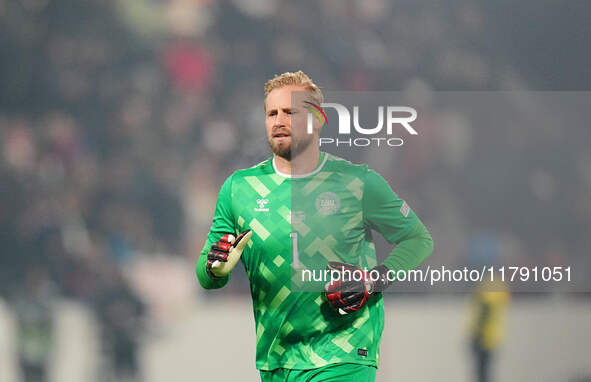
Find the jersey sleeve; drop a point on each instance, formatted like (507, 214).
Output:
(223, 222)
(384, 211)
(391, 216)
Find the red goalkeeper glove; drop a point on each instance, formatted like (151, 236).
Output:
(350, 291)
(225, 253)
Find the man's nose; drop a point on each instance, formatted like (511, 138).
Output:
(281, 119)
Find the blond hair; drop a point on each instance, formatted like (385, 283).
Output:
(298, 78)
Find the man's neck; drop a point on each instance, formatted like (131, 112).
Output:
(304, 163)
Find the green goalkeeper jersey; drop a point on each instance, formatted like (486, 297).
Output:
(302, 222)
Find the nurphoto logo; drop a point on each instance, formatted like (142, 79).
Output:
(395, 117)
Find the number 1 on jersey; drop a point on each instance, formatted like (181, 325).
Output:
(294, 250)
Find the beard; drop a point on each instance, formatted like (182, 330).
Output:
(289, 150)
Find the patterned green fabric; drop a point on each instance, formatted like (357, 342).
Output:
(342, 372)
(302, 223)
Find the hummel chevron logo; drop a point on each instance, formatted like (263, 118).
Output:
(262, 203)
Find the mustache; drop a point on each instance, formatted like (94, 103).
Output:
(280, 131)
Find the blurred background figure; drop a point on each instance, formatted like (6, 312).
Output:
(487, 327)
(120, 314)
(35, 336)
(581, 378)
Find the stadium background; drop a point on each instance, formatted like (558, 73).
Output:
(120, 119)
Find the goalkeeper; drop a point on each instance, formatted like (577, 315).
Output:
(303, 208)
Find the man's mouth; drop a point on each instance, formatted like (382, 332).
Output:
(281, 135)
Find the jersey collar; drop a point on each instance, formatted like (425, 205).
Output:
(323, 158)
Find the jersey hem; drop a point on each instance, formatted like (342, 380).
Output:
(317, 366)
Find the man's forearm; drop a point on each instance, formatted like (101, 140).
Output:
(411, 251)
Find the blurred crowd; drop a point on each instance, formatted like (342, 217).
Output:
(120, 119)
